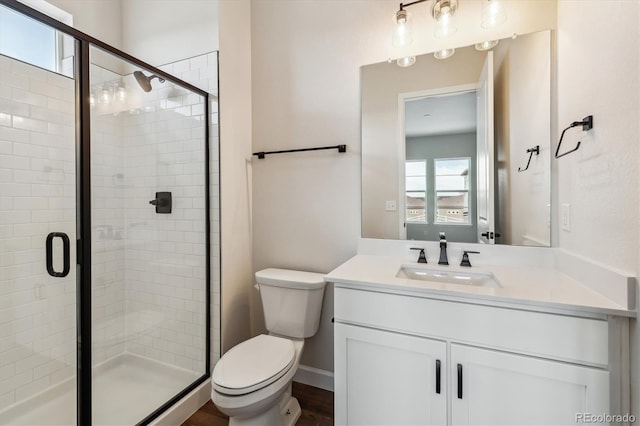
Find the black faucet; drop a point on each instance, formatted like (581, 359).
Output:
(465, 258)
(443, 250)
(421, 258)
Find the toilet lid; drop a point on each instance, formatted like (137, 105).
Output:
(253, 364)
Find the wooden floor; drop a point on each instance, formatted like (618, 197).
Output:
(317, 409)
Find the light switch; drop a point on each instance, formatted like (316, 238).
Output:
(565, 217)
(391, 206)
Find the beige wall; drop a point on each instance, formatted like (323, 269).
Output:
(235, 139)
(600, 181)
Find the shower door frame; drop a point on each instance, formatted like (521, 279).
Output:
(83, 201)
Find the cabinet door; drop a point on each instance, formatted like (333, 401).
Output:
(384, 378)
(502, 388)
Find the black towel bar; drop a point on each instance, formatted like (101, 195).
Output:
(340, 148)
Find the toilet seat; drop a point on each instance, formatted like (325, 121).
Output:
(253, 364)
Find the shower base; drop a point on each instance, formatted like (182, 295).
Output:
(126, 389)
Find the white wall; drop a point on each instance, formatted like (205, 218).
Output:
(101, 19)
(598, 74)
(523, 120)
(156, 31)
(163, 31)
(306, 57)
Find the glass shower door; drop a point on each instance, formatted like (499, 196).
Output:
(149, 261)
(37, 231)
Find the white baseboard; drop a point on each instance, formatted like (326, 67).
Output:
(314, 377)
(188, 405)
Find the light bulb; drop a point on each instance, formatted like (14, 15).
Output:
(444, 53)
(407, 61)
(402, 30)
(442, 11)
(493, 13)
(486, 45)
(445, 27)
(122, 93)
(441, 8)
(105, 96)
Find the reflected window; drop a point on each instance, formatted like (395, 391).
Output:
(452, 190)
(415, 191)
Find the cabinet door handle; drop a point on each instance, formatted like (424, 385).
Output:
(438, 376)
(459, 381)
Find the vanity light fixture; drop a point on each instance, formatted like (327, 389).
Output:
(493, 13)
(444, 53)
(402, 36)
(486, 45)
(442, 12)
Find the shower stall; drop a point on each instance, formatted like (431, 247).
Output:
(109, 227)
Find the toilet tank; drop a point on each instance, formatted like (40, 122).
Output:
(291, 300)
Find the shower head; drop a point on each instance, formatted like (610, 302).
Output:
(144, 81)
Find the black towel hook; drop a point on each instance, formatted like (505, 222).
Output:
(586, 123)
(535, 150)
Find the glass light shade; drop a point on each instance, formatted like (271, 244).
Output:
(444, 53)
(442, 11)
(486, 45)
(445, 27)
(402, 29)
(407, 61)
(493, 13)
(442, 8)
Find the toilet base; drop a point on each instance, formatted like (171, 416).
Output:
(290, 413)
(285, 413)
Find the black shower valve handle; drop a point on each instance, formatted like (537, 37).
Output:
(163, 202)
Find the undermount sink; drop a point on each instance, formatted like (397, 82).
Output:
(475, 279)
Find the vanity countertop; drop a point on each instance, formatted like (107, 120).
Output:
(523, 287)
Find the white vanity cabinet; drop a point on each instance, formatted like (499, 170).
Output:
(389, 378)
(491, 365)
(494, 387)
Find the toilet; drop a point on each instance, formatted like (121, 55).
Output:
(252, 381)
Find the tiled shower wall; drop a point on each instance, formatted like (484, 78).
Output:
(165, 265)
(108, 234)
(202, 72)
(37, 196)
(162, 148)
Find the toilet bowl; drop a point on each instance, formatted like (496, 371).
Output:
(252, 381)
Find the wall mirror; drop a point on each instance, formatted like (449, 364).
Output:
(460, 145)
